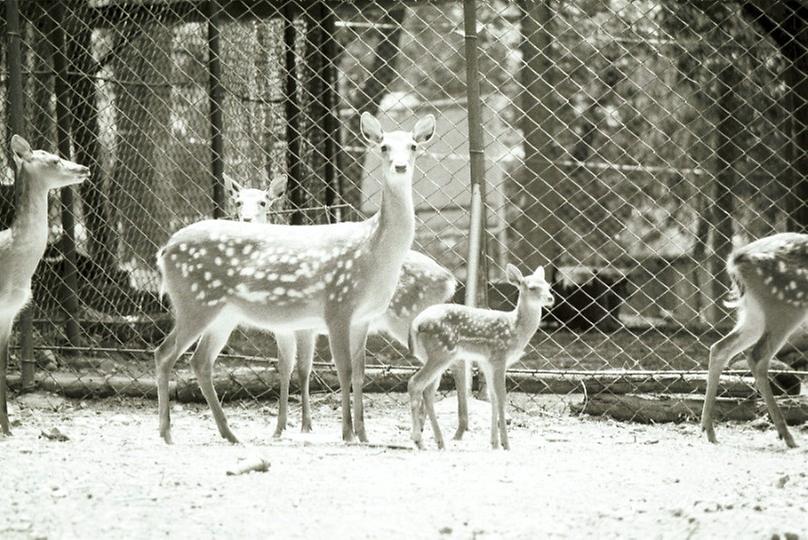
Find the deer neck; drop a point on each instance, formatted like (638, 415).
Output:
(396, 218)
(29, 231)
(527, 319)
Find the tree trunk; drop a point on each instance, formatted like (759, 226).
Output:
(539, 229)
(796, 76)
(314, 115)
(142, 71)
(84, 107)
(785, 23)
(728, 153)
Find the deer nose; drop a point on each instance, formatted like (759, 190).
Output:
(247, 219)
(401, 169)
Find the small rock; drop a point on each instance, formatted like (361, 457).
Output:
(445, 530)
(757, 508)
(54, 435)
(782, 481)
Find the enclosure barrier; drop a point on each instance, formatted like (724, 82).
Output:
(626, 146)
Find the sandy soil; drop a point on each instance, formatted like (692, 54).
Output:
(565, 477)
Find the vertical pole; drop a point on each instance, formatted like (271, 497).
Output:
(215, 97)
(329, 97)
(476, 265)
(68, 296)
(292, 110)
(16, 121)
(476, 259)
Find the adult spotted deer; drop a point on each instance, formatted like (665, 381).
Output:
(422, 282)
(324, 278)
(22, 245)
(770, 278)
(444, 333)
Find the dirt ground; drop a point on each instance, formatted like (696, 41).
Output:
(565, 477)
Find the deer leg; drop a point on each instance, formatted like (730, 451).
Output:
(461, 377)
(435, 364)
(740, 338)
(339, 338)
(287, 353)
(165, 356)
(429, 402)
(499, 390)
(777, 331)
(488, 375)
(306, 342)
(211, 344)
(359, 337)
(5, 337)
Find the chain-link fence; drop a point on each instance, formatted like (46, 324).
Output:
(628, 146)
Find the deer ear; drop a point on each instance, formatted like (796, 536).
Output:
(513, 274)
(231, 185)
(277, 187)
(21, 148)
(539, 272)
(424, 129)
(371, 128)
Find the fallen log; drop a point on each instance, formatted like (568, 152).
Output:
(264, 383)
(647, 409)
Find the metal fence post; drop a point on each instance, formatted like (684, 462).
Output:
(69, 290)
(475, 291)
(215, 98)
(16, 122)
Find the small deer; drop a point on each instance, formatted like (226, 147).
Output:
(770, 279)
(22, 245)
(444, 333)
(252, 204)
(422, 282)
(332, 278)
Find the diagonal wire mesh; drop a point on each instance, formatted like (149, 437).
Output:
(628, 147)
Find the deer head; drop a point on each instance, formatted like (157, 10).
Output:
(253, 204)
(44, 169)
(397, 147)
(533, 289)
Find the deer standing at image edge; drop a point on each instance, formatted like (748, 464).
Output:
(770, 279)
(335, 278)
(23, 244)
(422, 282)
(444, 333)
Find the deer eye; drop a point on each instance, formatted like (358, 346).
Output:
(238, 203)
(385, 148)
(413, 147)
(263, 203)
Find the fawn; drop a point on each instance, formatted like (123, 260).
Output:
(770, 279)
(444, 333)
(22, 245)
(422, 282)
(333, 278)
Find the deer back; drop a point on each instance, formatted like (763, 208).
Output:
(774, 268)
(279, 276)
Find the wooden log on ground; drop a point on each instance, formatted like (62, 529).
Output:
(263, 383)
(782, 383)
(619, 383)
(648, 409)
